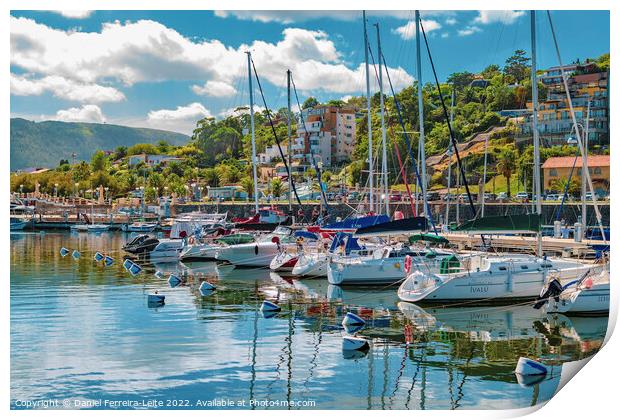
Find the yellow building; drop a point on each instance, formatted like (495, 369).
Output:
(557, 168)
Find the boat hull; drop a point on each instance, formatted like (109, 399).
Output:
(311, 266)
(483, 285)
(259, 254)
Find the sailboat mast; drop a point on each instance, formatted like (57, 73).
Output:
(584, 167)
(421, 113)
(290, 161)
(252, 131)
(449, 153)
(383, 131)
(535, 135)
(369, 116)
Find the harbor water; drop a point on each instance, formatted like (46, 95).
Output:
(84, 336)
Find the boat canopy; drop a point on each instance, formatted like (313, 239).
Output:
(428, 237)
(236, 239)
(521, 223)
(306, 234)
(342, 238)
(357, 222)
(394, 227)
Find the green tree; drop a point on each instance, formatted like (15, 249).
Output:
(506, 164)
(461, 79)
(99, 161)
(276, 187)
(517, 66)
(248, 186)
(310, 103)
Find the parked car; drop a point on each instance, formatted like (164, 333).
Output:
(553, 197)
(522, 195)
(396, 197)
(503, 196)
(588, 196)
(449, 196)
(432, 196)
(489, 197)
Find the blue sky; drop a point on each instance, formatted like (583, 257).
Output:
(166, 69)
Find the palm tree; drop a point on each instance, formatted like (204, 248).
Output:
(276, 187)
(506, 165)
(248, 185)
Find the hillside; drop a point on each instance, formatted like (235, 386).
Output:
(44, 144)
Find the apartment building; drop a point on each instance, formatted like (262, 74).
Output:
(328, 135)
(586, 86)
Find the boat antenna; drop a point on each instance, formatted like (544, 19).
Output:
(273, 130)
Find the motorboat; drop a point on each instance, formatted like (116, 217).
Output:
(287, 259)
(259, 253)
(97, 228)
(141, 244)
(141, 227)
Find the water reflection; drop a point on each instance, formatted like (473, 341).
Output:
(81, 329)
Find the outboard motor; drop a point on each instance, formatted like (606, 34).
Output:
(552, 290)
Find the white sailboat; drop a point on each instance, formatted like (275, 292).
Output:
(588, 296)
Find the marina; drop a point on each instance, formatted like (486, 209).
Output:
(436, 242)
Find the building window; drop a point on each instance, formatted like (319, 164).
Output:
(597, 171)
(553, 172)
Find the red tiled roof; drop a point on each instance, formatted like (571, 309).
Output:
(567, 161)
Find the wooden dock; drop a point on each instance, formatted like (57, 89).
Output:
(555, 246)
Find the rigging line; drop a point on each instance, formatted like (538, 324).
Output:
(427, 210)
(445, 111)
(316, 166)
(273, 130)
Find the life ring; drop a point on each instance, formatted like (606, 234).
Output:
(408, 263)
(192, 240)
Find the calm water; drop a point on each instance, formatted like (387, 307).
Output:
(84, 332)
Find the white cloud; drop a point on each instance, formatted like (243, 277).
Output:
(469, 30)
(182, 119)
(74, 14)
(450, 21)
(507, 17)
(214, 88)
(147, 51)
(86, 113)
(240, 110)
(292, 16)
(65, 89)
(407, 31)
(445, 35)
(192, 111)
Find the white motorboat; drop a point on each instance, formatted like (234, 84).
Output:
(487, 277)
(284, 261)
(259, 253)
(311, 265)
(589, 295)
(385, 265)
(97, 228)
(167, 250)
(143, 227)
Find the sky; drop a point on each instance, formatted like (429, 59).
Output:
(167, 69)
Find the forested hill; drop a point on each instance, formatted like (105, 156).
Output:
(44, 144)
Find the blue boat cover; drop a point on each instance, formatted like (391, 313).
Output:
(306, 234)
(358, 222)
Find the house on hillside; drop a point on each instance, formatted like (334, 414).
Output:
(557, 168)
(152, 160)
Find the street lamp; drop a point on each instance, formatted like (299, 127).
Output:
(21, 188)
(76, 185)
(105, 194)
(56, 190)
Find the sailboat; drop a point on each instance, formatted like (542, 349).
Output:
(501, 276)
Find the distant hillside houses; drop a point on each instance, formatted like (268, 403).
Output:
(587, 87)
(151, 160)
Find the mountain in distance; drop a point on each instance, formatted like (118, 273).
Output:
(43, 144)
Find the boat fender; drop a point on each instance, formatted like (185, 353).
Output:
(205, 286)
(588, 283)
(191, 240)
(527, 366)
(174, 280)
(408, 263)
(354, 343)
(352, 319)
(269, 307)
